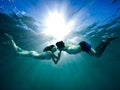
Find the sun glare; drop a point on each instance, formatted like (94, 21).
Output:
(57, 26)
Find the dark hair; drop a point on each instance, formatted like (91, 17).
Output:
(48, 48)
(60, 44)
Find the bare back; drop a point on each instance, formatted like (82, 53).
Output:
(72, 49)
(44, 55)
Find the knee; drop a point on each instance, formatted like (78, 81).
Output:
(18, 49)
(92, 52)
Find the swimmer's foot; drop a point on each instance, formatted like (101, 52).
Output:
(9, 36)
(110, 38)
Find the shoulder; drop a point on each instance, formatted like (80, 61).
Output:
(71, 45)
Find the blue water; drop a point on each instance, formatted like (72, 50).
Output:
(73, 72)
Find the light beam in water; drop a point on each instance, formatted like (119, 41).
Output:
(57, 26)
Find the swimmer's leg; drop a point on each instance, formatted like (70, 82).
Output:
(101, 47)
(19, 50)
(12, 42)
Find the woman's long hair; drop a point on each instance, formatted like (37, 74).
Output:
(48, 48)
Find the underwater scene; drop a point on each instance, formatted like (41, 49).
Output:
(59, 44)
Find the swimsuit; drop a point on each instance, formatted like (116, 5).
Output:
(85, 46)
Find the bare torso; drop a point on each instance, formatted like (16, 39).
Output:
(43, 55)
(72, 49)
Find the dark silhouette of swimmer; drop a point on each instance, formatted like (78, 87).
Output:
(84, 46)
(47, 54)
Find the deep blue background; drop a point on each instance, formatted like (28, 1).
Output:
(74, 72)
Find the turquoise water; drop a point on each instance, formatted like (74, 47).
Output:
(73, 72)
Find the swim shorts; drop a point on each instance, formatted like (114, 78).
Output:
(85, 46)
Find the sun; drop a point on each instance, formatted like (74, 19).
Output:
(57, 26)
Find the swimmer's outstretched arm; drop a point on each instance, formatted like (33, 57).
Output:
(56, 58)
(21, 51)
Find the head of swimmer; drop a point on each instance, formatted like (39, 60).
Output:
(60, 45)
(50, 48)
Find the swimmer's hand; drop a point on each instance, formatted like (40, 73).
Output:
(59, 49)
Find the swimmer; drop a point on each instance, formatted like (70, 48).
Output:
(84, 46)
(47, 54)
